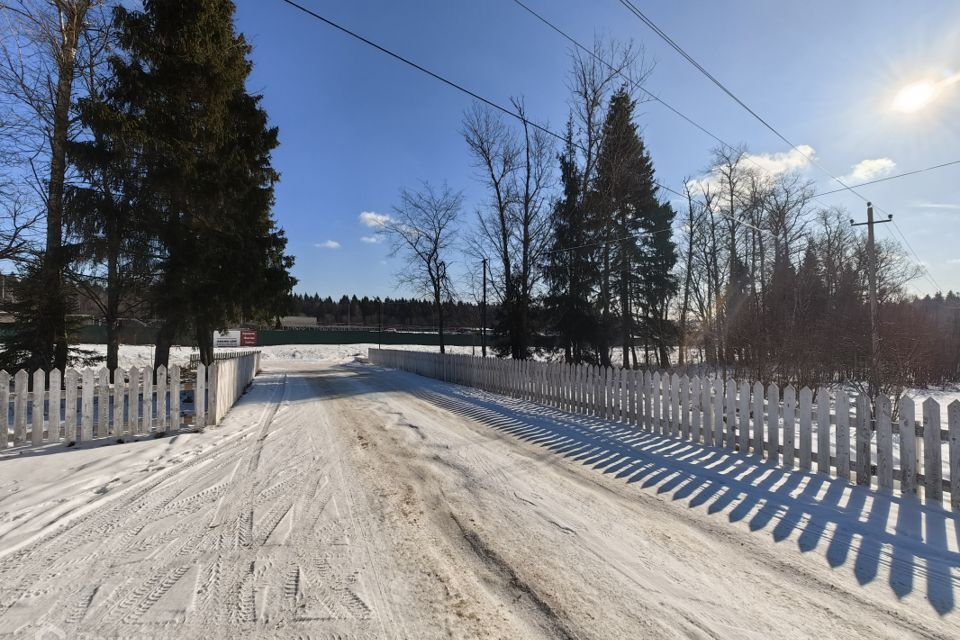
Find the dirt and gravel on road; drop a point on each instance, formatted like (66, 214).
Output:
(344, 500)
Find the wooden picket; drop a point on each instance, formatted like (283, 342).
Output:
(932, 469)
(718, 412)
(885, 443)
(771, 424)
(806, 432)
(80, 406)
(953, 426)
(843, 435)
(731, 414)
(20, 408)
(789, 426)
(758, 420)
(36, 425)
(744, 440)
(863, 441)
(823, 431)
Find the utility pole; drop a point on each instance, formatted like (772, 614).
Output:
(874, 379)
(380, 323)
(483, 314)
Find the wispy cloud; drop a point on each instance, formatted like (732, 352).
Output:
(329, 244)
(953, 261)
(937, 205)
(771, 164)
(777, 163)
(870, 169)
(373, 219)
(371, 239)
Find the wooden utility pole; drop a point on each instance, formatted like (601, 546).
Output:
(874, 376)
(483, 313)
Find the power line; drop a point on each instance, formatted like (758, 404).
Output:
(633, 82)
(612, 241)
(643, 18)
(636, 85)
(640, 87)
(920, 262)
(561, 138)
(446, 81)
(893, 177)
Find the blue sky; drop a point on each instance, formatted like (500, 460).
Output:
(356, 126)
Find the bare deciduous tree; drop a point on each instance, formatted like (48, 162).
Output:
(48, 49)
(422, 232)
(512, 226)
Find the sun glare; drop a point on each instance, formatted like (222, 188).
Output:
(916, 96)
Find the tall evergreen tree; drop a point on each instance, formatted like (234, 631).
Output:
(570, 271)
(206, 156)
(105, 211)
(638, 253)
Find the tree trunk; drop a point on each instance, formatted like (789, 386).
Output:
(439, 304)
(605, 310)
(112, 315)
(161, 355)
(626, 319)
(205, 343)
(53, 255)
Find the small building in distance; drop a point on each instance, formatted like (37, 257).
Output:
(298, 322)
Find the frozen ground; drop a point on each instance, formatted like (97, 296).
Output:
(142, 355)
(343, 500)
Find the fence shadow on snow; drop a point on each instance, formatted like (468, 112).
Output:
(851, 524)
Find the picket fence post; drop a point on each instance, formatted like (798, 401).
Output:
(20, 386)
(908, 447)
(731, 403)
(133, 401)
(5, 414)
(885, 443)
(863, 440)
(119, 394)
(823, 431)
(695, 409)
(718, 412)
(70, 377)
(773, 423)
(806, 431)
(932, 470)
(705, 399)
(843, 435)
(174, 398)
(789, 426)
(758, 419)
(953, 427)
(103, 400)
(36, 426)
(86, 406)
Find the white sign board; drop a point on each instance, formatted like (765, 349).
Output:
(226, 339)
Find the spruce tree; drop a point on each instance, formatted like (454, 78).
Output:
(206, 155)
(570, 271)
(638, 254)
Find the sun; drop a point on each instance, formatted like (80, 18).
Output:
(916, 96)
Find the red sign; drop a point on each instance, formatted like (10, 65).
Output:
(248, 338)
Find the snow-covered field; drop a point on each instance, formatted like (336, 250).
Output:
(142, 355)
(339, 499)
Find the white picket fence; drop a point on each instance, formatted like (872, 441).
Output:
(831, 429)
(82, 405)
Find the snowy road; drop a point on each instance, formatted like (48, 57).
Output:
(343, 500)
